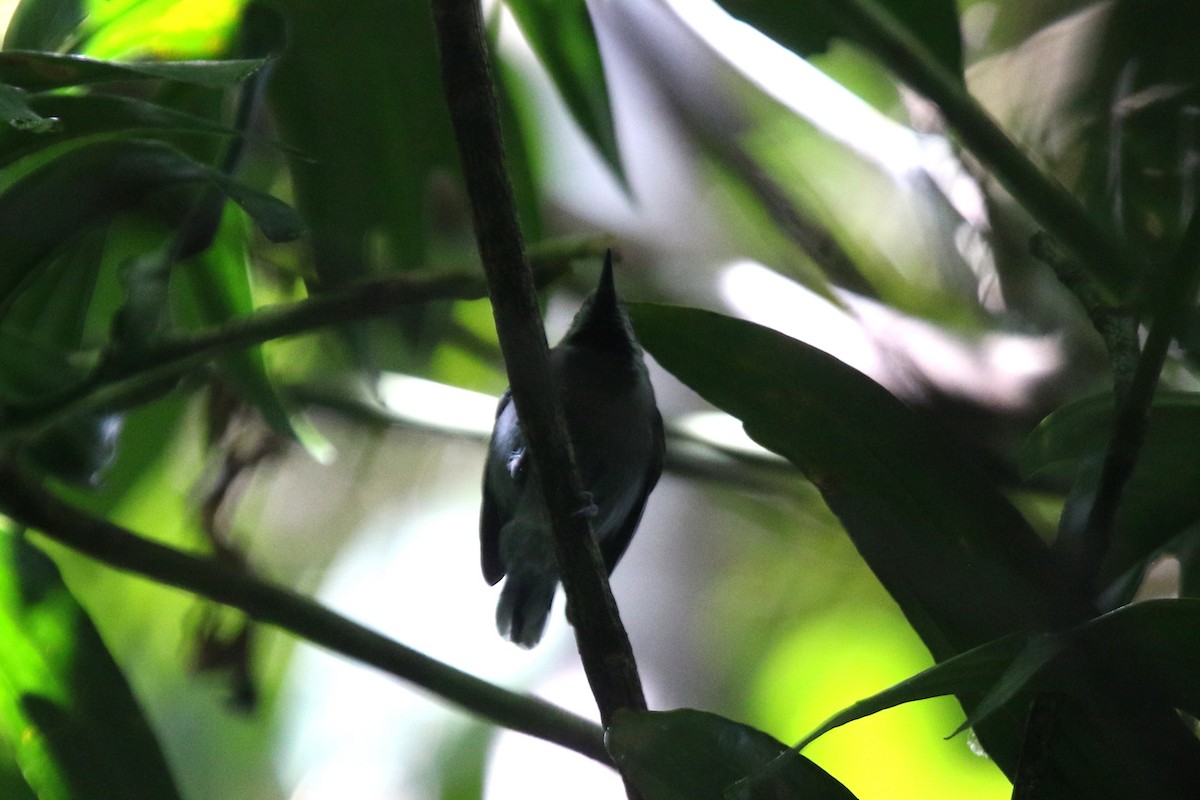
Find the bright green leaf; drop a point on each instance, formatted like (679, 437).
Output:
(693, 755)
(35, 71)
(562, 36)
(65, 708)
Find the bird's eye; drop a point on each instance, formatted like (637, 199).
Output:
(515, 460)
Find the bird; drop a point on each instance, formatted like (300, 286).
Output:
(599, 373)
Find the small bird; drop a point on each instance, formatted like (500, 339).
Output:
(617, 435)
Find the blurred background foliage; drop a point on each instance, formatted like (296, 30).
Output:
(819, 197)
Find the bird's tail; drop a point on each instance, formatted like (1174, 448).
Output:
(525, 606)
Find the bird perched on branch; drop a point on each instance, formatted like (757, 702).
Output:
(617, 434)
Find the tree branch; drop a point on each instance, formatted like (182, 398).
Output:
(603, 646)
(122, 377)
(1106, 257)
(29, 504)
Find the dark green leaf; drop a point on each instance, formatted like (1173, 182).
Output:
(65, 708)
(88, 186)
(1150, 650)
(36, 71)
(959, 560)
(1039, 651)
(43, 25)
(693, 755)
(1160, 499)
(562, 36)
(929, 523)
(806, 26)
(15, 110)
(90, 114)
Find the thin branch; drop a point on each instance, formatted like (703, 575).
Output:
(26, 502)
(123, 377)
(1118, 328)
(603, 645)
(1106, 257)
(1176, 293)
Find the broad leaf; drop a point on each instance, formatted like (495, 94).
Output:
(66, 710)
(693, 755)
(961, 562)
(562, 36)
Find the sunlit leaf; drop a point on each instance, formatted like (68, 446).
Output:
(562, 36)
(65, 709)
(694, 755)
(36, 71)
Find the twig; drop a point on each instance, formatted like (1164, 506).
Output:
(603, 645)
(31, 505)
(1106, 257)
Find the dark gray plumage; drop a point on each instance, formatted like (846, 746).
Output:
(617, 434)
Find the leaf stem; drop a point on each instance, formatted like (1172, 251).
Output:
(603, 645)
(28, 503)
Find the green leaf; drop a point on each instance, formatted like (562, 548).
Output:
(216, 288)
(975, 671)
(82, 115)
(15, 110)
(43, 25)
(806, 26)
(562, 36)
(929, 523)
(1160, 500)
(37, 71)
(89, 185)
(693, 755)
(1150, 650)
(959, 560)
(65, 708)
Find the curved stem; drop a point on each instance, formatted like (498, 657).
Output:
(28, 503)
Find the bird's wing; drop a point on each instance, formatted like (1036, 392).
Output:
(619, 542)
(490, 522)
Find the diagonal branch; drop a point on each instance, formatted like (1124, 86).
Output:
(26, 502)
(603, 645)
